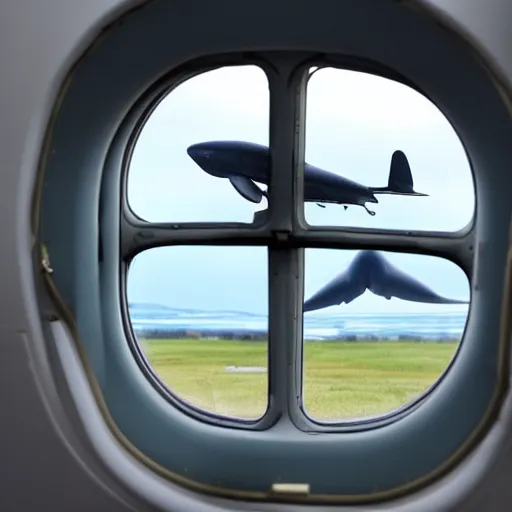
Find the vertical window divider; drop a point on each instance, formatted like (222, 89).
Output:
(285, 261)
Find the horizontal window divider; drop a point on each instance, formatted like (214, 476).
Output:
(136, 240)
(459, 249)
(463, 234)
(403, 241)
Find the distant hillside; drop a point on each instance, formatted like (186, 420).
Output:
(157, 320)
(155, 308)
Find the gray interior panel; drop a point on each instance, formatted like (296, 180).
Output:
(88, 139)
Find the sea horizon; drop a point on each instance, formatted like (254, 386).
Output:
(150, 318)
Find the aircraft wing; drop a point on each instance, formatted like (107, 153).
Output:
(401, 285)
(343, 288)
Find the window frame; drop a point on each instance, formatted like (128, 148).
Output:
(77, 278)
(332, 237)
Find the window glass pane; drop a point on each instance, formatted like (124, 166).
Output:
(168, 181)
(380, 328)
(394, 145)
(200, 317)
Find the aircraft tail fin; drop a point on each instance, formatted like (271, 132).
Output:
(400, 178)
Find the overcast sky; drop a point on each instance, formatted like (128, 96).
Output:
(354, 123)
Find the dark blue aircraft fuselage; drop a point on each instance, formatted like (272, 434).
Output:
(246, 163)
(225, 159)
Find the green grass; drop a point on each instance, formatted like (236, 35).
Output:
(341, 380)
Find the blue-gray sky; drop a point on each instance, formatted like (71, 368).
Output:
(354, 123)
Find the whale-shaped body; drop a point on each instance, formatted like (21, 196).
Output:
(246, 163)
(369, 270)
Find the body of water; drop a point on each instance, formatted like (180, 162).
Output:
(157, 318)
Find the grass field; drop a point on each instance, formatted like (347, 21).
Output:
(341, 380)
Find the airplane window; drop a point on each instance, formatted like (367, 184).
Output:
(396, 148)
(188, 307)
(203, 327)
(380, 328)
(170, 175)
(200, 314)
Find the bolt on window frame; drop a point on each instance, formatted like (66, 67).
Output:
(281, 228)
